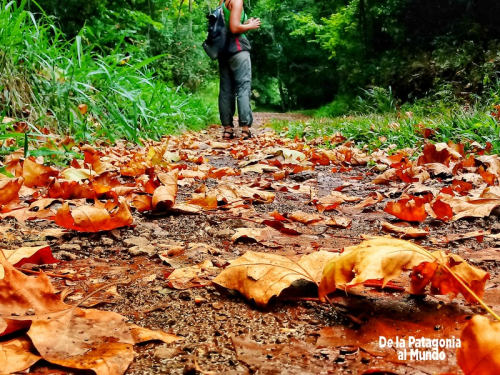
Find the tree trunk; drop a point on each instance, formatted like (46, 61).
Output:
(179, 15)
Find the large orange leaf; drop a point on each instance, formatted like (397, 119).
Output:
(17, 355)
(261, 276)
(9, 189)
(164, 196)
(33, 255)
(91, 219)
(35, 174)
(385, 259)
(478, 354)
(409, 209)
(442, 282)
(70, 190)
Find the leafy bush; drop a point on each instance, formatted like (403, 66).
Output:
(70, 87)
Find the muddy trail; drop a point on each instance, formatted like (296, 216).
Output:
(197, 232)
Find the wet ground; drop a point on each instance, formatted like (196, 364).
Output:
(226, 334)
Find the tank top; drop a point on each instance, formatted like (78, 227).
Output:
(236, 42)
(227, 15)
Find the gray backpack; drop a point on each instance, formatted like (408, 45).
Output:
(217, 34)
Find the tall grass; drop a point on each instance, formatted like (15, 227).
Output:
(69, 87)
(409, 126)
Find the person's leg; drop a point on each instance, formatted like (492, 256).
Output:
(241, 67)
(227, 97)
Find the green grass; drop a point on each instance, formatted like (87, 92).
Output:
(44, 78)
(453, 123)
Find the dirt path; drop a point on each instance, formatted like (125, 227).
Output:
(223, 332)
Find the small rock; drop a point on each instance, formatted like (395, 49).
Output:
(166, 353)
(116, 234)
(30, 312)
(210, 231)
(107, 241)
(166, 291)
(148, 250)
(136, 241)
(218, 305)
(235, 223)
(64, 255)
(70, 246)
(97, 249)
(302, 176)
(224, 233)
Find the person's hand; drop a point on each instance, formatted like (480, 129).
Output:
(254, 23)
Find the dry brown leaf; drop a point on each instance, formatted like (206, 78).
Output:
(33, 255)
(405, 232)
(141, 334)
(379, 258)
(197, 275)
(35, 174)
(259, 168)
(230, 193)
(257, 234)
(17, 355)
(382, 258)
(332, 201)
(478, 354)
(91, 219)
(219, 145)
(373, 198)
(9, 189)
(207, 201)
(261, 276)
(79, 175)
(462, 236)
(410, 209)
(464, 207)
(305, 218)
(437, 275)
(84, 339)
(19, 293)
(164, 196)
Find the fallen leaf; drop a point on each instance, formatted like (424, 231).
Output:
(35, 174)
(410, 209)
(91, 219)
(405, 232)
(84, 339)
(257, 234)
(462, 236)
(197, 275)
(164, 196)
(9, 189)
(33, 255)
(478, 354)
(385, 259)
(16, 355)
(261, 276)
(259, 168)
(141, 334)
(78, 175)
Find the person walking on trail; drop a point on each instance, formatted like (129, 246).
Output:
(236, 70)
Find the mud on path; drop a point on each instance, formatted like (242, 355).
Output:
(226, 334)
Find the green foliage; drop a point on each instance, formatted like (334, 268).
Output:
(44, 78)
(404, 129)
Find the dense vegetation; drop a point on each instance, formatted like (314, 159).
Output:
(136, 67)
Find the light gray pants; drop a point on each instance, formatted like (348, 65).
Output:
(235, 85)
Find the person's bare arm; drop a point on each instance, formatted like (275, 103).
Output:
(236, 8)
